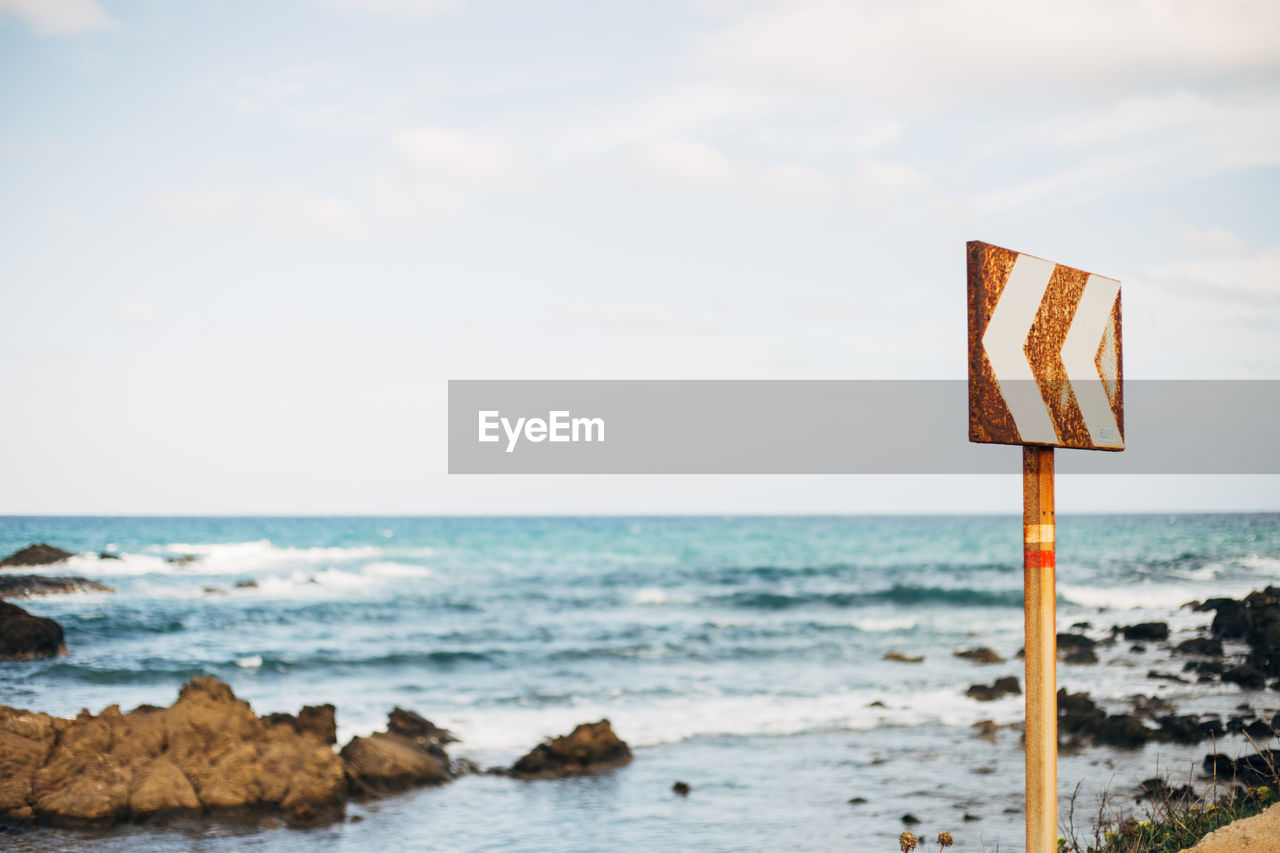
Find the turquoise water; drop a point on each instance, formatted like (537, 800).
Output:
(742, 655)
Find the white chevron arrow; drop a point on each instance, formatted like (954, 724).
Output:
(1079, 357)
(1005, 341)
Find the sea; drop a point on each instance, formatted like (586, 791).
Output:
(743, 656)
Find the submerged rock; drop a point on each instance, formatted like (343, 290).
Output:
(1123, 730)
(1001, 687)
(589, 748)
(981, 655)
(1206, 646)
(1246, 675)
(1259, 768)
(25, 586)
(899, 657)
(1146, 631)
(1080, 656)
(27, 637)
(41, 554)
(207, 751)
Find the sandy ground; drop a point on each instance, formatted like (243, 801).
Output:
(1257, 834)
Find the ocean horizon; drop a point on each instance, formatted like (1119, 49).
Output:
(742, 655)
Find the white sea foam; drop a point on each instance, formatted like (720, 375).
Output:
(1263, 565)
(658, 595)
(885, 623)
(648, 722)
(244, 558)
(91, 565)
(1147, 596)
(326, 582)
(388, 569)
(250, 662)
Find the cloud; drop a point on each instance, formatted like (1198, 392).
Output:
(1166, 140)
(887, 183)
(279, 210)
(1251, 279)
(933, 48)
(404, 9)
(690, 164)
(59, 17)
(439, 169)
(433, 173)
(1214, 237)
(638, 320)
(695, 165)
(137, 314)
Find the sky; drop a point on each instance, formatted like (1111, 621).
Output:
(244, 245)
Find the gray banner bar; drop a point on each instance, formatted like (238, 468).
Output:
(831, 427)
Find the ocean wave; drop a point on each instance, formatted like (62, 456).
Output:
(658, 595)
(248, 558)
(326, 582)
(897, 594)
(653, 721)
(326, 662)
(1146, 596)
(148, 671)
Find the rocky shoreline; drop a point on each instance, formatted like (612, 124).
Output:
(24, 636)
(210, 754)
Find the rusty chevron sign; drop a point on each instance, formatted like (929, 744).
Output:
(1044, 353)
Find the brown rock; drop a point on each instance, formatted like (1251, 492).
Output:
(899, 657)
(1007, 686)
(206, 751)
(319, 720)
(25, 586)
(980, 655)
(1146, 631)
(385, 762)
(317, 792)
(25, 743)
(27, 637)
(159, 786)
(589, 748)
(42, 554)
(413, 725)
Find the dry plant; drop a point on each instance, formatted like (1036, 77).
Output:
(1174, 818)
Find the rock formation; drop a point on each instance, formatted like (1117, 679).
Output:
(25, 586)
(27, 637)
(41, 554)
(589, 748)
(409, 754)
(207, 751)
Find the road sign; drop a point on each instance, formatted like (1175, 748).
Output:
(1044, 353)
(1044, 372)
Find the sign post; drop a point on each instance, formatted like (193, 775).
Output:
(1044, 372)
(1041, 649)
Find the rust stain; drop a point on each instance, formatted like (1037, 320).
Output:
(990, 420)
(1110, 363)
(1044, 351)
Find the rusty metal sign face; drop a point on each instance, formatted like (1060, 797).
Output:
(1044, 353)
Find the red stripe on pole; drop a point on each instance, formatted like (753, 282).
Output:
(1034, 558)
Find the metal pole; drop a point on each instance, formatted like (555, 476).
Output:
(1041, 649)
